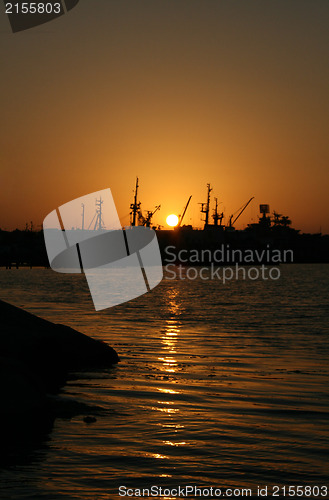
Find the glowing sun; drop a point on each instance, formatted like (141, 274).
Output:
(172, 220)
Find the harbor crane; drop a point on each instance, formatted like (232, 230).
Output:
(181, 217)
(240, 210)
(146, 220)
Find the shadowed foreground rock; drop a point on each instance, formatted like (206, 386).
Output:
(36, 357)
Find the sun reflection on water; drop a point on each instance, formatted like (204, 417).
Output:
(171, 443)
(156, 455)
(165, 410)
(170, 414)
(167, 391)
(171, 331)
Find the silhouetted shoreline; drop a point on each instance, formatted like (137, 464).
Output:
(36, 359)
(27, 248)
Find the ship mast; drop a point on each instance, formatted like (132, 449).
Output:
(134, 207)
(205, 207)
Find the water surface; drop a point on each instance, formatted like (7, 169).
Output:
(218, 385)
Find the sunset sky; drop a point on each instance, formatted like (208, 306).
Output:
(178, 92)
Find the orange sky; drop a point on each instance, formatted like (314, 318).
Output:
(180, 93)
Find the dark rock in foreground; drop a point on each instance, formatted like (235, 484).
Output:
(36, 357)
(20, 393)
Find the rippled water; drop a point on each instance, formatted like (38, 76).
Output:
(218, 385)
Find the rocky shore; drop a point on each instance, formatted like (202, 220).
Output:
(36, 358)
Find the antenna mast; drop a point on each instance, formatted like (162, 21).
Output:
(99, 224)
(83, 216)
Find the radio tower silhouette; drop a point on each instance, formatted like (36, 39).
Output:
(99, 223)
